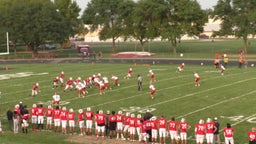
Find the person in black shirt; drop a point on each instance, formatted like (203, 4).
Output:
(216, 131)
(9, 115)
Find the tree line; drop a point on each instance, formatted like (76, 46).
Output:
(33, 22)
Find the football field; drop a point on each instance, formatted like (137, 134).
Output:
(230, 97)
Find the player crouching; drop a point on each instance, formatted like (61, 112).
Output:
(69, 84)
(152, 90)
(115, 79)
(180, 67)
(81, 89)
(24, 124)
(102, 87)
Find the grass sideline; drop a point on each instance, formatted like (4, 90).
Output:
(228, 97)
(163, 49)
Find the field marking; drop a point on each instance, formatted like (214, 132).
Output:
(224, 101)
(75, 98)
(188, 95)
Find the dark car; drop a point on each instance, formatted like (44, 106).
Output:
(47, 46)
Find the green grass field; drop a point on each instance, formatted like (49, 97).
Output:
(229, 97)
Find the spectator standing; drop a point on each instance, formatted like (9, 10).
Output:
(216, 131)
(106, 124)
(9, 115)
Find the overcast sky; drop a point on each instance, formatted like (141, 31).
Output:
(205, 4)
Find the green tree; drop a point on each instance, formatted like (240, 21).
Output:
(238, 18)
(146, 20)
(69, 11)
(106, 16)
(182, 17)
(35, 22)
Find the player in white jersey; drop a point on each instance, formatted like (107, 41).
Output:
(197, 79)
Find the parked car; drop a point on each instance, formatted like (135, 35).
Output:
(46, 47)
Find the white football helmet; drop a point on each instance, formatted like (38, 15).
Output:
(201, 121)
(34, 105)
(120, 112)
(100, 111)
(80, 111)
(88, 109)
(183, 120)
(139, 116)
(127, 114)
(64, 108)
(71, 110)
(208, 120)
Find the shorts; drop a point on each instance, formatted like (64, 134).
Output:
(112, 126)
(71, 123)
(57, 122)
(49, 120)
(34, 119)
(89, 124)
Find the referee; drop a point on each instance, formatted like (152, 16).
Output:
(139, 83)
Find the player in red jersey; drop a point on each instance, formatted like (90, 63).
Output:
(143, 135)
(24, 124)
(209, 129)
(115, 79)
(119, 122)
(55, 82)
(81, 89)
(152, 91)
(61, 76)
(228, 134)
(40, 116)
(126, 124)
(81, 121)
(138, 126)
(35, 89)
(49, 115)
(183, 127)
(101, 121)
(132, 129)
(89, 116)
(153, 123)
(102, 87)
(151, 75)
(173, 130)
(112, 125)
(71, 121)
(252, 136)
(56, 118)
(180, 67)
(197, 79)
(129, 74)
(63, 118)
(33, 113)
(162, 122)
(200, 132)
(69, 84)
(106, 82)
